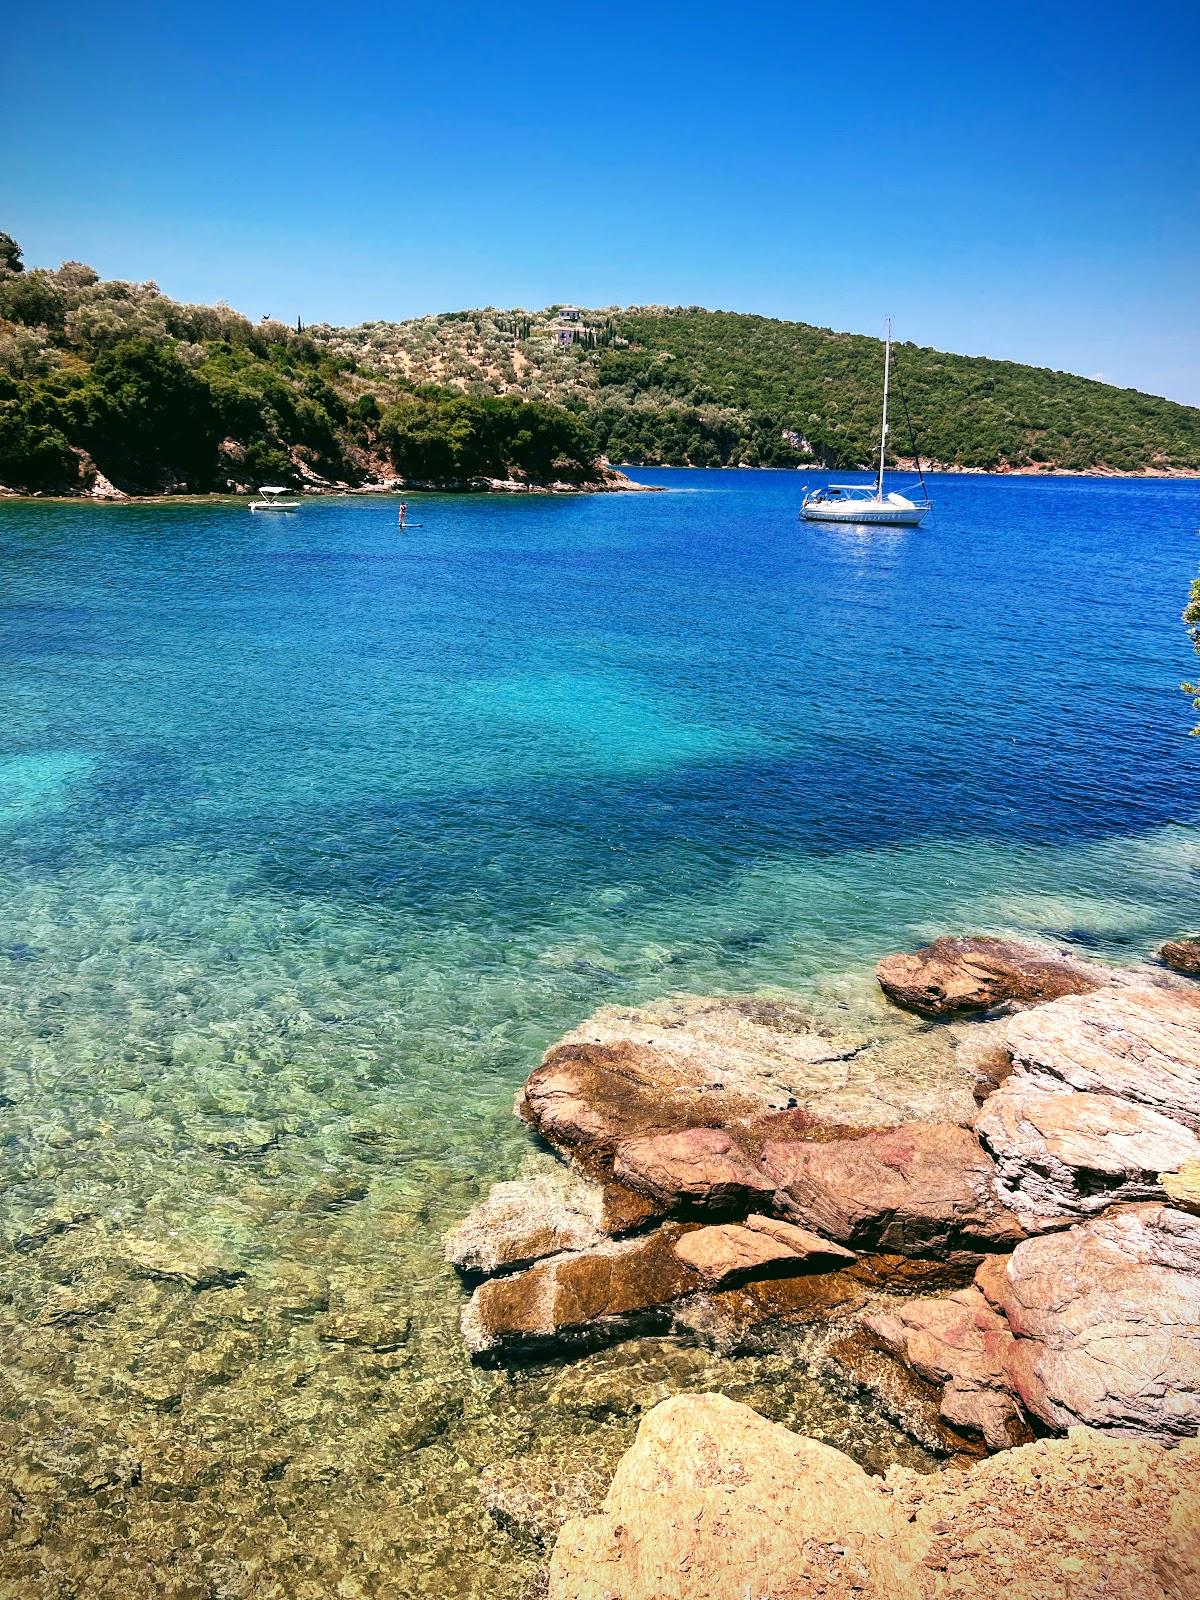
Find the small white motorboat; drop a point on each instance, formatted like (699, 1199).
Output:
(866, 503)
(271, 500)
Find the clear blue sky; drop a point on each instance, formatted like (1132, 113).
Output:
(1018, 181)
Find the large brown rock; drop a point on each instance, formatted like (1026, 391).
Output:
(703, 1167)
(579, 1297)
(952, 977)
(713, 1502)
(1140, 1045)
(919, 1189)
(1183, 955)
(961, 1343)
(1062, 1156)
(761, 1247)
(1105, 1321)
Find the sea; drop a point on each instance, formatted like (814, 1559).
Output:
(316, 832)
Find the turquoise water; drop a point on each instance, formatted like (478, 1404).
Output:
(313, 835)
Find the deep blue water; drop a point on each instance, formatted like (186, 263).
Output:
(313, 835)
(539, 753)
(526, 702)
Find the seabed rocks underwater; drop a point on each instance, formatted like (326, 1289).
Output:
(232, 1364)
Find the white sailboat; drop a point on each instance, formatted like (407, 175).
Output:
(271, 500)
(866, 502)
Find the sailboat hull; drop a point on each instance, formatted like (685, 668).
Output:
(871, 512)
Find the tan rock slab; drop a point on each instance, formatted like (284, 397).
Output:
(760, 1247)
(712, 1499)
(712, 1496)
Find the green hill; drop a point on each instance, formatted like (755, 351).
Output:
(114, 381)
(715, 388)
(111, 380)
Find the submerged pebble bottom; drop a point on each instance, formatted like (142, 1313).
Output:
(309, 847)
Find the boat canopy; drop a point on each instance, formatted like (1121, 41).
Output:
(272, 488)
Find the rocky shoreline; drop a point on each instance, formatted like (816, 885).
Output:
(996, 1217)
(103, 492)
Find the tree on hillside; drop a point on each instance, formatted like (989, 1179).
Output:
(10, 254)
(1191, 617)
(148, 415)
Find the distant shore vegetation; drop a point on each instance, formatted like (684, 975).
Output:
(117, 379)
(684, 386)
(112, 380)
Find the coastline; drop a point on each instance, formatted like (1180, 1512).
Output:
(1156, 473)
(616, 481)
(613, 481)
(322, 836)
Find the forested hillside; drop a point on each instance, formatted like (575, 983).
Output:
(112, 382)
(717, 388)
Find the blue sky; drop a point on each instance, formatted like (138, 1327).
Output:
(1020, 181)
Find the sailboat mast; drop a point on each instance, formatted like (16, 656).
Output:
(887, 367)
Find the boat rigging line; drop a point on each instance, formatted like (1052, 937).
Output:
(912, 437)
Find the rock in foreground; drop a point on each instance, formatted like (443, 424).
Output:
(953, 977)
(713, 1501)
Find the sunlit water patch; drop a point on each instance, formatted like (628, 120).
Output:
(312, 837)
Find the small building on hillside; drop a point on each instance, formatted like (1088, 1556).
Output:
(570, 325)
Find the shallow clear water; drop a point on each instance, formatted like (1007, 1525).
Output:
(313, 835)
